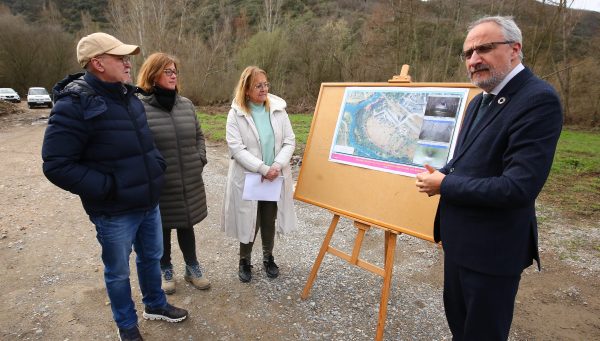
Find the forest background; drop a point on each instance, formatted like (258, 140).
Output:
(302, 43)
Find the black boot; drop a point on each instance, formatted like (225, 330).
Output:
(245, 272)
(270, 267)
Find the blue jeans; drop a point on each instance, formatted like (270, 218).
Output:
(116, 235)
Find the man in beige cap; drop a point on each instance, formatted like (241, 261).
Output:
(98, 145)
(106, 57)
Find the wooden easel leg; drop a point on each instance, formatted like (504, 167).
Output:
(390, 248)
(362, 229)
(317, 265)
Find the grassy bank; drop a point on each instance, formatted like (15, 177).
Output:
(574, 182)
(573, 185)
(213, 126)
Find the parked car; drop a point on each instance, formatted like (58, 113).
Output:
(38, 96)
(8, 94)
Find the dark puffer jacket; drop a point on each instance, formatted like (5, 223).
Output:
(180, 140)
(98, 146)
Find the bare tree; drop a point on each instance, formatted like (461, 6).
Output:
(149, 23)
(451, 48)
(272, 15)
(183, 6)
(34, 55)
(88, 26)
(210, 65)
(561, 60)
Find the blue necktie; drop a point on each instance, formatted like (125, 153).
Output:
(483, 108)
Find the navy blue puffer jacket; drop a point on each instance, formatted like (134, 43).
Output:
(98, 146)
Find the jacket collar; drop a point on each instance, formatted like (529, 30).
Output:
(276, 103)
(515, 71)
(496, 106)
(116, 90)
(91, 92)
(150, 98)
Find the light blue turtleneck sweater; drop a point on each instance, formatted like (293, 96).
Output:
(262, 120)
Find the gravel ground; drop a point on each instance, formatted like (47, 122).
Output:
(52, 288)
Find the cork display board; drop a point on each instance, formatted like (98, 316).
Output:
(341, 172)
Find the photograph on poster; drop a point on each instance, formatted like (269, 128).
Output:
(397, 129)
(442, 106)
(437, 130)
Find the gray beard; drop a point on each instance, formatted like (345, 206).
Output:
(496, 77)
(490, 83)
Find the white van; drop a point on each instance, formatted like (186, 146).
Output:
(38, 96)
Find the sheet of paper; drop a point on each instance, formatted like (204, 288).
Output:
(255, 189)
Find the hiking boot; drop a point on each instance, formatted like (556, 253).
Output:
(270, 267)
(195, 275)
(245, 272)
(131, 334)
(168, 283)
(168, 313)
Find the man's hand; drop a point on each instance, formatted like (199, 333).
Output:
(429, 182)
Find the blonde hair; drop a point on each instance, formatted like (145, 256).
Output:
(153, 68)
(246, 81)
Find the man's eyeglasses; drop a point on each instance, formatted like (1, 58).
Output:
(122, 59)
(170, 72)
(261, 86)
(482, 49)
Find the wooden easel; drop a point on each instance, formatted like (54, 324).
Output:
(385, 272)
(403, 77)
(362, 228)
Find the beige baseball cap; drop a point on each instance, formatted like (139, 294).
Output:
(99, 43)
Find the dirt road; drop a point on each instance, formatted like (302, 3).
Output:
(51, 285)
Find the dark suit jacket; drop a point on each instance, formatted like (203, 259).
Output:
(486, 215)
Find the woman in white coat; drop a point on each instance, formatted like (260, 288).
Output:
(260, 140)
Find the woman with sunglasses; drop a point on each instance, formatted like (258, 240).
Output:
(179, 138)
(260, 140)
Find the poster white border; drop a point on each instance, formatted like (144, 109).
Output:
(345, 154)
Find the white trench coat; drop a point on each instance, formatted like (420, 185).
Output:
(238, 217)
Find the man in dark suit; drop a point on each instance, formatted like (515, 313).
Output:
(486, 215)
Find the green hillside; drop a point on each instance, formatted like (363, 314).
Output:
(302, 43)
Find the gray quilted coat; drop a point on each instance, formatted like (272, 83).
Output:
(180, 140)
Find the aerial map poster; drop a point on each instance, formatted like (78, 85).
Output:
(398, 129)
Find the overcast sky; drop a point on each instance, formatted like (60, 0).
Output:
(592, 5)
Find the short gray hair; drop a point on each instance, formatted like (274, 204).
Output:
(509, 28)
